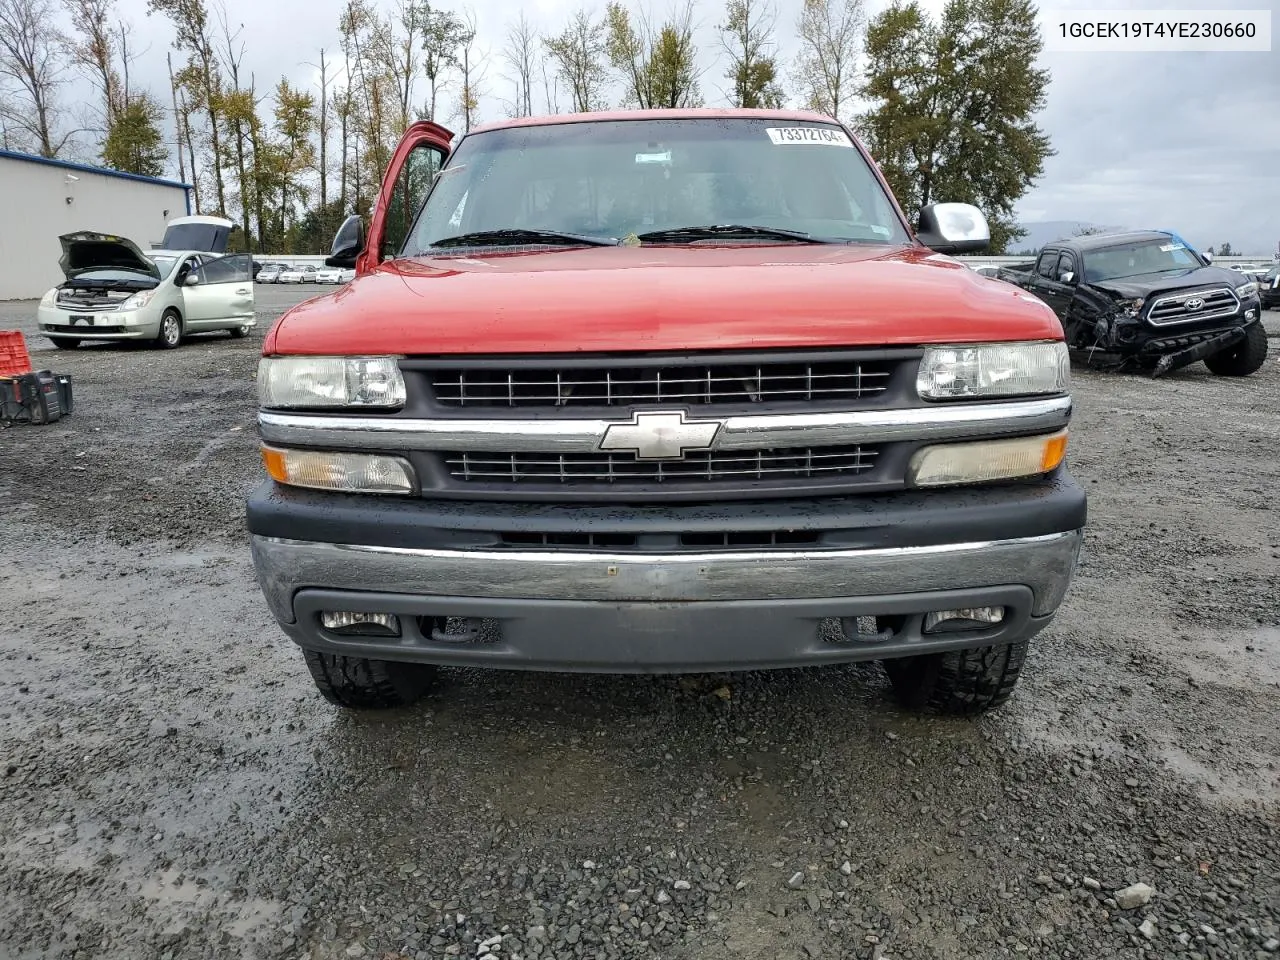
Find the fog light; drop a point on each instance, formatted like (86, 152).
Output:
(361, 624)
(968, 618)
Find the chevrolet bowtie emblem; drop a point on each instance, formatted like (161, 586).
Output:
(660, 436)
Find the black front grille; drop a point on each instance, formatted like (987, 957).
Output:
(624, 468)
(703, 540)
(58, 329)
(687, 384)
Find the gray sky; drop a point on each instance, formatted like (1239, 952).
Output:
(1185, 141)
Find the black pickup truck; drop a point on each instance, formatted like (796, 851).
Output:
(1146, 301)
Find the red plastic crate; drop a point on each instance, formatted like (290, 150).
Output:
(14, 358)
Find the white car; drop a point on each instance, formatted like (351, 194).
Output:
(113, 291)
(328, 275)
(270, 272)
(298, 274)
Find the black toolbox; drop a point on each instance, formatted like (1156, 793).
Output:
(37, 398)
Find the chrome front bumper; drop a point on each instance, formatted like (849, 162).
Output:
(634, 612)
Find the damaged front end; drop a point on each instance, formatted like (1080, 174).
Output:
(1123, 337)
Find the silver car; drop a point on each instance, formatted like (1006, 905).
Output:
(113, 291)
(305, 273)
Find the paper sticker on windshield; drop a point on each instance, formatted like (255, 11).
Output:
(1170, 247)
(825, 136)
(664, 157)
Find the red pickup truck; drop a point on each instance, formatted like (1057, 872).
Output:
(659, 391)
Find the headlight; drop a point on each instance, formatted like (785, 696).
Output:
(1247, 290)
(285, 382)
(137, 301)
(48, 299)
(994, 370)
(986, 460)
(347, 472)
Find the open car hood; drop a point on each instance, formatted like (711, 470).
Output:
(87, 250)
(207, 234)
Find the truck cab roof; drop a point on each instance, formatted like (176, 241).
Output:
(685, 113)
(1099, 241)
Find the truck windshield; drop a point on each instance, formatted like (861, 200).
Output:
(614, 179)
(1137, 259)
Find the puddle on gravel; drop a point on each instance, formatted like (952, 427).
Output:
(1244, 659)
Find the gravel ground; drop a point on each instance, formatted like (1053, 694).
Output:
(174, 787)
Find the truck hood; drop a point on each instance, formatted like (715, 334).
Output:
(1141, 286)
(87, 250)
(680, 298)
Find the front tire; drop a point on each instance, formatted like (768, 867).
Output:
(239, 333)
(1243, 358)
(958, 682)
(170, 334)
(65, 343)
(361, 684)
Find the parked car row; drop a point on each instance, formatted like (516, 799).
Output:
(302, 273)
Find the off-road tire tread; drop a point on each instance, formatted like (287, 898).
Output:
(958, 682)
(362, 684)
(1244, 358)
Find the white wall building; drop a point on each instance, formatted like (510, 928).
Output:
(40, 200)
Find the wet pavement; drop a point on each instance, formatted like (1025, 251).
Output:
(173, 786)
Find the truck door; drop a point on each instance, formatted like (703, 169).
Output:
(1058, 289)
(1043, 273)
(410, 177)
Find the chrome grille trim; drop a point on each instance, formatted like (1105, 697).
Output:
(614, 468)
(1218, 302)
(764, 432)
(657, 385)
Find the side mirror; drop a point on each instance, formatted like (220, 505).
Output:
(953, 228)
(191, 280)
(348, 243)
(1208, 257)
(1066, 276)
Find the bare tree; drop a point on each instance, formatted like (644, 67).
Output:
(188, 137)
(550, 88)
(405, 37)
(322, 161)
(519, 53)
(190, 19)
(94, 52)
(659, 65)
(830, 33)
(239, 113)
(123, 32)
(31, 65)
(443, 34)
(747, 39)
(579, 53)
(471, 66)
(178, 137)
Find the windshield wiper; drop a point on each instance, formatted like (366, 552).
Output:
(728, 231)
(518, 235)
